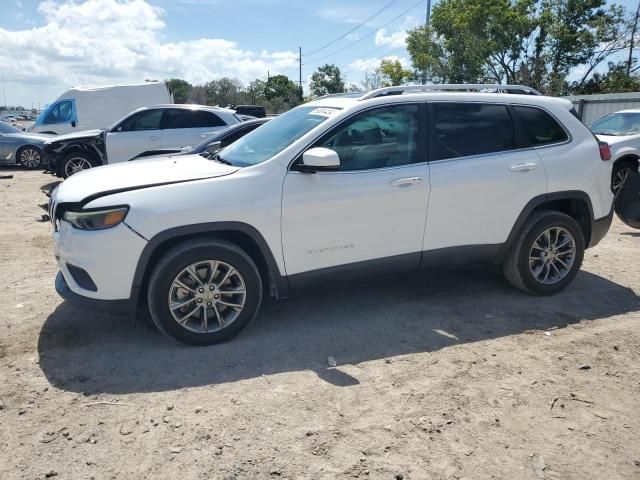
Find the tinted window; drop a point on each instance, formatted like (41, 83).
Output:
(384, 137)
(464, 129)
(183, 118)
(538, 127)
(59, 113)
(146, 120)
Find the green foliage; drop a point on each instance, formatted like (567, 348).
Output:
(393, 72)
(326, 80)
(535, 42)
(615, 80)
(180, 89)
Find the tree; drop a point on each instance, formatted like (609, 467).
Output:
(372, 79)
(326, 80)
(224, 91)
(615, 80)
(180, 89)
(393, 72)
(535, 42)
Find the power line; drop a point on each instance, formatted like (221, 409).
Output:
(387, 5)
(415, 5)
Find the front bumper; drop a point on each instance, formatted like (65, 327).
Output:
(110, 307)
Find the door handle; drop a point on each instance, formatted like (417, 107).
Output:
(406, 182)
(524, 167)
(154, 138)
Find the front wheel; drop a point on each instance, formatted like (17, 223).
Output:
(203, 292)
(74, 163)
(547, 254)
(30, 157)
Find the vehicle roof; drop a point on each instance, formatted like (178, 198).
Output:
(627, 110)
(187, 106)
(95, 88)
(349, 100)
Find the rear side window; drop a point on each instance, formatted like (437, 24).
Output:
(538, 127)
(465, 129)
(183, 118)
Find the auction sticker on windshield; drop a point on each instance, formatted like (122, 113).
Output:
(324, 111)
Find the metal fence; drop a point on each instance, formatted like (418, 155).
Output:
(592, 107)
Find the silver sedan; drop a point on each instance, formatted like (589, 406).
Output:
(20, 147)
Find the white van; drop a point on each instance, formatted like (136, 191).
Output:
(85, 108)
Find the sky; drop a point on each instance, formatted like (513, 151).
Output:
(48, 46)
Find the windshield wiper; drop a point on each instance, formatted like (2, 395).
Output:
(218, 158)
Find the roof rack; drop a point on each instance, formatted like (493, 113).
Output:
(496, 88)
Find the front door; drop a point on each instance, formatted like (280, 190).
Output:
(136, 134)
(372, 210)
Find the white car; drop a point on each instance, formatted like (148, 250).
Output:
(621, 130)
(168, 127)
(345, 187)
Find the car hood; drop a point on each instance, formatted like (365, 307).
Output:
(121, 177)
(30, 136)
(75, 135)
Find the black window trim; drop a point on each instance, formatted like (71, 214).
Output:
(423, 140)
(516, 130)
(119, 125)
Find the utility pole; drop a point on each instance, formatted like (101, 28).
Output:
(428, 19)
(300, 69)
(631, 43)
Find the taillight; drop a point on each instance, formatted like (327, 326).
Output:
(605, 151)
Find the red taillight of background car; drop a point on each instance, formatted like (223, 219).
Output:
(605, 151)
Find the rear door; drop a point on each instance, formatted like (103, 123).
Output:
(480, 177)
(138, 133)
(184, 127)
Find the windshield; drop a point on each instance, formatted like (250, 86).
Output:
(5, 128)
(617, 124)
(276, 135)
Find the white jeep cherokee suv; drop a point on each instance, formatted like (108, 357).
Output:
(400, 179)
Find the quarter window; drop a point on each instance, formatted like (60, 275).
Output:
(465, 129)
(538, 127)
(385, 137)
(145, 120)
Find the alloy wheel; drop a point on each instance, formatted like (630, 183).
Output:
(552, 255)
(30, 158)
(619, 179)
(75, 165)
(207, 296)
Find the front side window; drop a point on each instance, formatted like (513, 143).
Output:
(465, 129)
(276, 135)
(538, 127)
(59, 113)
(145, 120)
(384, 137)
(627, 123)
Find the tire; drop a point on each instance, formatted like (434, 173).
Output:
(201, 255)
(30, 157)
(622, 172)
(517, 269)
(74, 163)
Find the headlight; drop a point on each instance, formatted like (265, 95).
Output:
(96, 219)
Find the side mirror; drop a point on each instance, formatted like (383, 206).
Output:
(319, 158)
(214, 147)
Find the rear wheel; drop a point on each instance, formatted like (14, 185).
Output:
(622, 171)
(547, 254)
(74, 163)
(30, 157)
(203, 292)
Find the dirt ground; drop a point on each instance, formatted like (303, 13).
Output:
(450, 375)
